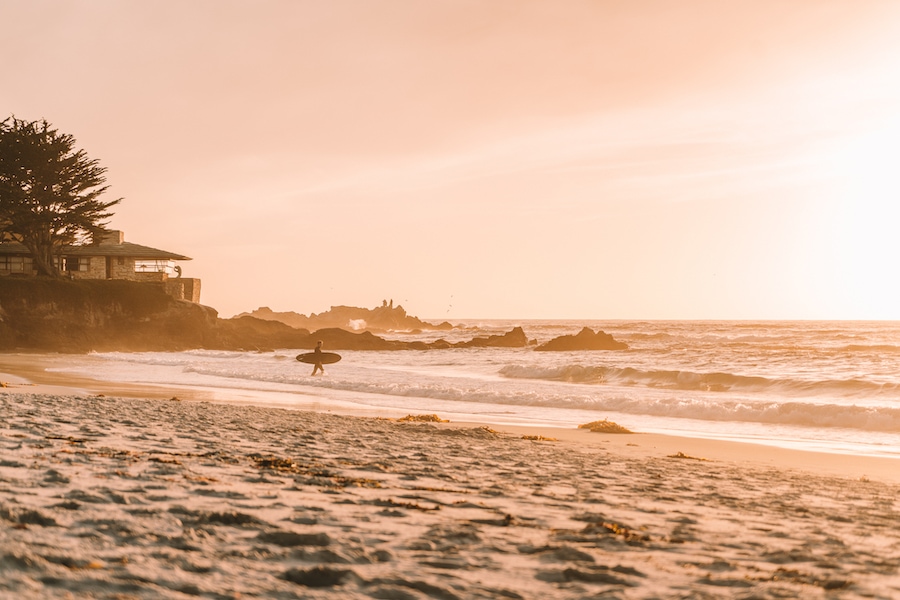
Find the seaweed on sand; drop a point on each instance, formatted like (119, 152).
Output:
(604, 426)
(423, 419)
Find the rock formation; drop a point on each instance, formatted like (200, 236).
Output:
(585, 339)
(512, 339)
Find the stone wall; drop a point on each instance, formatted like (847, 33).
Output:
(96, 269)
(184, 288)
(115, 267)
(122, 267)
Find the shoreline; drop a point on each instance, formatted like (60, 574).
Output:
(26, 373)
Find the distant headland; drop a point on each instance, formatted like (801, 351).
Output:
(382, 319)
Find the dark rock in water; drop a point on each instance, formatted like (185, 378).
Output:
(340, 339)
(512, 339)
(586, 339)
(247, 333)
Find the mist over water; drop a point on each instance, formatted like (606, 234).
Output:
(818, 385)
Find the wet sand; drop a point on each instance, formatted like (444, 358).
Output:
(148, 497)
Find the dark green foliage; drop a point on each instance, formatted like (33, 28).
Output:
(124, 297)
(43, 313)
(49, 191)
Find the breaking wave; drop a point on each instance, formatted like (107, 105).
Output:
(705, 407)
(697, 381)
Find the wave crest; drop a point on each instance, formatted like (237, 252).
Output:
(695, 381)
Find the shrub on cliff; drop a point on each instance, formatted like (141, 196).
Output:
(61, 315)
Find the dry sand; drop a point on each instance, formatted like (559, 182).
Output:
(114, 497)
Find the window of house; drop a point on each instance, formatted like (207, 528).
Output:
(76, 263)
(153, 266)
(15, 264)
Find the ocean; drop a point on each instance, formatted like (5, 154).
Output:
(826, 386)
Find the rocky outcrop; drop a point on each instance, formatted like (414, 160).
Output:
(351, 318)
(248, 333)
(335, 338)
(585, 339)
(512, 339)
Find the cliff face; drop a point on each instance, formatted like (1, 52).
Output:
(78, 316)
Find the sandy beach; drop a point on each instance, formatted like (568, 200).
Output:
(129, 493)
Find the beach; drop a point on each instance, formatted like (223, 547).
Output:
(115, 492)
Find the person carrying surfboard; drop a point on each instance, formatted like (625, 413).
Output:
(318, 358)
(317, 366)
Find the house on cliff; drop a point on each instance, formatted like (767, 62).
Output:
(109, 258)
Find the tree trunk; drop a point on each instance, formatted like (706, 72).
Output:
(42, 257)
(45, 267)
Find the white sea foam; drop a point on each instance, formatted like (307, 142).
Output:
(773, 382)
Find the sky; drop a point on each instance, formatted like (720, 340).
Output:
(605, 159)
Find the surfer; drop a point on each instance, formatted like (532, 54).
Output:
(317, 366)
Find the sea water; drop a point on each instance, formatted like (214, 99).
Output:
(830, 386)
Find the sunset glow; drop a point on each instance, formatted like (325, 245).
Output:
(607, 160)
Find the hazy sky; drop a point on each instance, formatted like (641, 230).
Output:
(700, 159)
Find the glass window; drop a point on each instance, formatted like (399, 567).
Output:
(153, 266)
(15, 264)
(76, 263)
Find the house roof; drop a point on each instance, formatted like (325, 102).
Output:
(125, 249)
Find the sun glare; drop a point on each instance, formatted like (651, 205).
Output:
(860, 221)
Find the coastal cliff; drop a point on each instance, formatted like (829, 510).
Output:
(79, 316)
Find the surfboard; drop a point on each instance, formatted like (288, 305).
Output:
(326, 358)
